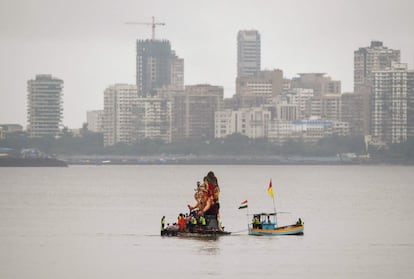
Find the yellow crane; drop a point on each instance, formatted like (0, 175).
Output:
(153, 24)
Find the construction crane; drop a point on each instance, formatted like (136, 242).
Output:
(153, 24)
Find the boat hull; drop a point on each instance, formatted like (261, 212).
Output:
(286, 230)
(210, 229)
(205, 233)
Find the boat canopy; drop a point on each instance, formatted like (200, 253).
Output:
(265, 214)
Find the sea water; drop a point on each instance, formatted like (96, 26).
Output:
(104, 222)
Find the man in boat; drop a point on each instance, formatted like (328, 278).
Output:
(300, 222)
(256, 222)
(202, 221)
(192, 223)
(163, 223)
(181, 222)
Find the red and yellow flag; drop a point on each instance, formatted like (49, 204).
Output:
(270, 189)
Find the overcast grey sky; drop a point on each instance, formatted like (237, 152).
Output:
(87, 44)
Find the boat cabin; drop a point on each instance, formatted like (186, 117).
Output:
(264, 221)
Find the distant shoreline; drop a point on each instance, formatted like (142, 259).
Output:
(221, 160)
(66, 161)
(31, 162)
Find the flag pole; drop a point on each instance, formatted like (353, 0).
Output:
(247, 217)
(245, 204)
(274, 209)
(270, 191)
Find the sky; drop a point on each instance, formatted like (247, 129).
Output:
(88, 45)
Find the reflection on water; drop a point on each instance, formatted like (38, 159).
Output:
(209, 247)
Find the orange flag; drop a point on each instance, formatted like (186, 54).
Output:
(270, 190)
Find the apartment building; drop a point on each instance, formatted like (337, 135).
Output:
(44, 106)
(259, 88)
(375, 57)
(120, 105)
(390, 103)
(153, 119)
(281, 131)
(200, 104)
(95, 120)
(251, 122)
(352, 112)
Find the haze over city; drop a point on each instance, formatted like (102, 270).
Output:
(89, 46)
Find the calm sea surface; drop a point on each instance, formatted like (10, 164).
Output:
(103, 222)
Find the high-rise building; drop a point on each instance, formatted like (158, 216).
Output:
(410, 104)
(248, 53)
(120, 101)
(200, 104)
(157, 67)
(154, 119)
(352, 112)
(44, 105)
(389, 103)
(177, 72)
(177, 100)
(376, 57)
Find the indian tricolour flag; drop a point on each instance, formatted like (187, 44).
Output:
(243, 204)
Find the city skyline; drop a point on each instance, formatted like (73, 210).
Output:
(90, 53)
